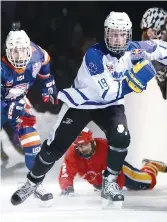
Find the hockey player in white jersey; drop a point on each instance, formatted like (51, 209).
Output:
(153, 26)
(108, 72)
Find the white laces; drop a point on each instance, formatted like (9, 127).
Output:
(40, 189)
(112, 188)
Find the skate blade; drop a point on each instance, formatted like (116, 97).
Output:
(108, 204)
(47, 203)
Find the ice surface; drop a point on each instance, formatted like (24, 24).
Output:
(141, 206)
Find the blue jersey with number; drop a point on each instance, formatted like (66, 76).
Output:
(16, 82)
(100, 77)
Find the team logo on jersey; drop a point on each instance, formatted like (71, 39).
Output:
(110, 67)
(118, 75)
(92, 67)
(68, 121)
(90, 175)
(20, 78)
(64, 170)
(137, 54)
(35, 68)
(36, 149)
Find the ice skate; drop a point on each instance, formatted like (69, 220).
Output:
(44, 196)
(111, 193)
(161, 166)
(23, 193)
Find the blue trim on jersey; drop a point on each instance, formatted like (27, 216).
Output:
(119, 85)
(93, 61)
(101, 104)
(163, 47)
(104, 93)
(163, 58)
(69, 97)
(82, 94)
(24, 131)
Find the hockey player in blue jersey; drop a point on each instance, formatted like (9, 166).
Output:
(108, 72)
(23, 63)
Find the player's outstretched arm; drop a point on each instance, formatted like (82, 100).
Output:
(67, 173)
(47, 82)
(136, 79)
(154, 49)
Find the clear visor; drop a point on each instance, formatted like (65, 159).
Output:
(117, 40)
(19, 57)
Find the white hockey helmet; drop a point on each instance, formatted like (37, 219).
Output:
(18, 49)
(154, 18)
(118, 31)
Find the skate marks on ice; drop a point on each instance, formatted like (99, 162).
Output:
(152, 200)
(142, 206)
(14, 170)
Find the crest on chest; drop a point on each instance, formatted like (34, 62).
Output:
(116, 67)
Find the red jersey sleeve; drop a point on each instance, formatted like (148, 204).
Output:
(68, 169)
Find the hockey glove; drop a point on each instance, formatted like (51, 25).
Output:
(16, 110)
(138, 77)
(97, 187)
(49, 92)
(68, 192)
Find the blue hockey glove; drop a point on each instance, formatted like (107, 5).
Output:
(138, 77)
(49, 92)
(16, 110)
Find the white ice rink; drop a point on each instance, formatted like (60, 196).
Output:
(147, 118)
(142, 206)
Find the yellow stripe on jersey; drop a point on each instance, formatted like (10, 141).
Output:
(152, 167)
(137, 176)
